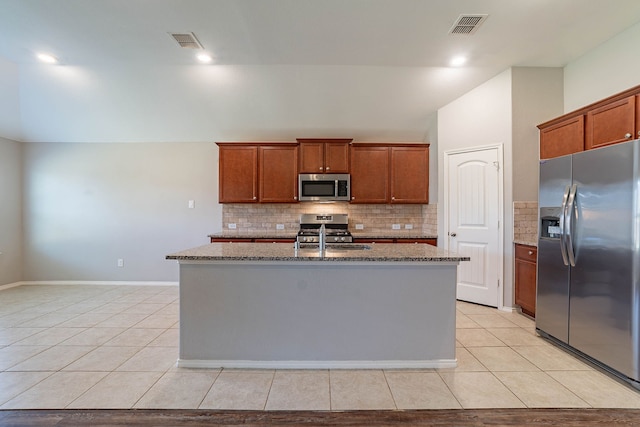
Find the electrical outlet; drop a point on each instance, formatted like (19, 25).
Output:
(279, 226)
(192, 204)
(408, 226)
(395, 226)
(359, 226)
(232, 226)
(120, 262)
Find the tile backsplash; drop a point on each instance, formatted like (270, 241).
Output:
(525, 222)
(422, 219)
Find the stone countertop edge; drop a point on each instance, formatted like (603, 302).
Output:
(381, 252)
(292, 235)
(526, 242)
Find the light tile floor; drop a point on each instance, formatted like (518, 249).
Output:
(116, 347)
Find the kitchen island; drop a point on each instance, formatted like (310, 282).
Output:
(253, 305)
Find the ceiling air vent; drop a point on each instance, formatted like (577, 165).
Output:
(467, 24)
(187, 40)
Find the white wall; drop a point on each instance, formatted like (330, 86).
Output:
(86, 205)
(10, 116)
(604, 71)
(140, 103)
(10, 211)
(481, 117)
(536, 98)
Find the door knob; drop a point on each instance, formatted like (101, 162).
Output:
(453, 234)
(627, 135)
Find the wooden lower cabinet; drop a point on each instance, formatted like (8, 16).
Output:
(432, 242)
(525, 278)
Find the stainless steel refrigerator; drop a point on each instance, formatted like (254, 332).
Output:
(588, 294)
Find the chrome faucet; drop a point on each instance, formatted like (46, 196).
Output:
(322, 237)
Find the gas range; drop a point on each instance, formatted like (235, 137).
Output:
(336, 229)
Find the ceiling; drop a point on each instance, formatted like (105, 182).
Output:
(368, 69)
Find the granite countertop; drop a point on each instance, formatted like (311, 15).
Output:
(284, 234)
(525, 242)
(396, 234)
(412, 234)
(381, 252)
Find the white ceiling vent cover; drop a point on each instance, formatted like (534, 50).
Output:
(467, 24)
(187, 40)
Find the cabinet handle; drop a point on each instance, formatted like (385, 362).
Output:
(320, 167)
(530, 252)
(393, 198)
(627, 135)
(327, 168)
(295, 198)
(254, 197)
(353, 197)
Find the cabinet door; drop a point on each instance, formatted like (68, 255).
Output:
(410, 174)
(566, 137)
(369, 174)
(311, 157)
(525, 278)
(611, 123)
(279, 174)
(336, 157)
(238, 174)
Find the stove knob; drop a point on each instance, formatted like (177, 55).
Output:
(342, 239)
(304, 239)
(335, 239)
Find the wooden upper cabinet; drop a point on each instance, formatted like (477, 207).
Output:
(565, 137)
(390, 173)
(410, 174)
(609, 121)
(251, 173)
(324, 155)
(278, 174)
(369, 174)
(238, 173)
(612, 123)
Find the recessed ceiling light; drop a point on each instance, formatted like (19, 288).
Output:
(45, 57)
(204, 57)
(458, 61)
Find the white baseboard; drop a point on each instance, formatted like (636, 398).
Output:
(89, 282)
(11, 285)
(318, 364)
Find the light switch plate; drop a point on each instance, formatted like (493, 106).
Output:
(232, 225)
(192, 204)
(408, 226)
(279, 226)
(359, 226)
(395, 226)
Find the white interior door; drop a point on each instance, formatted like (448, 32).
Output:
(472, 221)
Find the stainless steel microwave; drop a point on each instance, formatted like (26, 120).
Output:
(324, 188)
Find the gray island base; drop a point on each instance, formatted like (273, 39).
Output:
(256, 305)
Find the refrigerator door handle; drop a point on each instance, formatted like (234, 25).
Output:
(563, 234)
(569, 224)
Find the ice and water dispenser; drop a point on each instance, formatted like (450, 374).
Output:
(550, 222)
